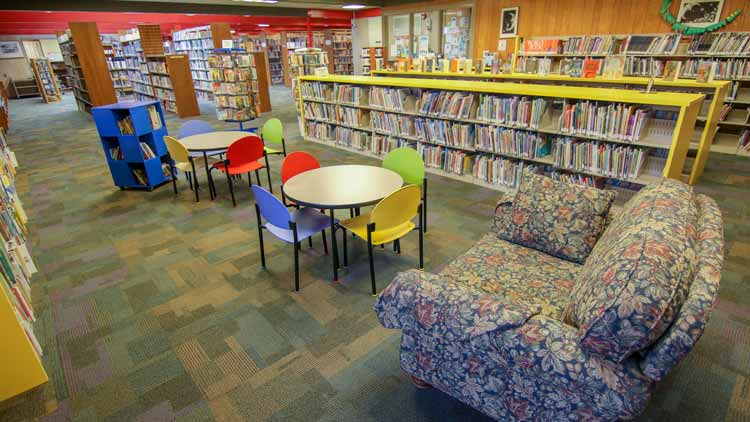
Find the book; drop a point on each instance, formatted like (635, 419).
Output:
(706, 72)
(671, 70)
(614, 67)
(591, 68)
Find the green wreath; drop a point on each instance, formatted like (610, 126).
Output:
(694, 30)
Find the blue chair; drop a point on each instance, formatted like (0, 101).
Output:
(197, 127)
(291, 227)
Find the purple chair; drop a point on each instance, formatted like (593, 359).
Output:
(291, 227)
(197, 127)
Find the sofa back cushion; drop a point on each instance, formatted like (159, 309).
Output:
(558, 218)
(638, 274)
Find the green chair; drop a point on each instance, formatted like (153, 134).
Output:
(272, 132)
(407, 162)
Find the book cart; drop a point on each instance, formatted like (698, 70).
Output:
(486, 133)
(132, 135)
(46, 80)
(702, 140)
(234, 84)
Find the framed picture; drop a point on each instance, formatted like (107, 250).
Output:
(700, 12)
(10, 50)
(509, 22)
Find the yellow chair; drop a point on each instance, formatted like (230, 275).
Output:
(181, 159)
(389, 221)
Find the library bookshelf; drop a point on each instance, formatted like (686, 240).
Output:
(703, 139)
(235, 84)
(373, 58)
(306, 61)
(132, 135)
(647, 55)
(46, 80)
(338, 46)
(197, 43)
(118, 68)
(21, 368)
(88, 72)
(464, 139)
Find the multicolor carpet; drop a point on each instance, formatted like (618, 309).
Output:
(153, 307)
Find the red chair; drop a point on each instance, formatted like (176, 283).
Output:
(243, 157)
(294, 164)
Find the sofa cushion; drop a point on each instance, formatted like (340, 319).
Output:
(514, 271)
(559, 218)
(638, 274)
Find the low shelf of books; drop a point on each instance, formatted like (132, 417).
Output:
(486, 133)
(132, 136)
(306, 61)
(20, 362)
(234, 84)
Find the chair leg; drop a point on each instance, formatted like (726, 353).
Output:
(268, 173)
(257, 178)
(293, 227)
(421, 241)
(260, 238)
(195, 180)
(309, 241)
(231, 189)
(424, 206)
(189, 178)
(174, 177)
(249, 180)
(397, 243)
(325, 243)
(372, 264)
(283, 146)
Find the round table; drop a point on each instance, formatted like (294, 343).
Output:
(211, 141)
(341, 187)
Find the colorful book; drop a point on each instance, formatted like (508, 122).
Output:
(672, 70)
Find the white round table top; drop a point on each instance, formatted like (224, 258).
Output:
(344, 186)
(213, 140)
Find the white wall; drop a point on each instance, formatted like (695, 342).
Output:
(20, 68)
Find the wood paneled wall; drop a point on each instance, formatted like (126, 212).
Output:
(582, 17)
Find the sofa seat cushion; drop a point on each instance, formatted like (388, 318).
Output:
(516, 272)
(556, 217)
(639, 273)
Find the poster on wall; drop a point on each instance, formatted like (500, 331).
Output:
(700, 13)
(509, 22)
(10, 50)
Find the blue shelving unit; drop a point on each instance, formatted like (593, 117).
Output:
(132, 161)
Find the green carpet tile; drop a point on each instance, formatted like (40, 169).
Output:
(153, 307)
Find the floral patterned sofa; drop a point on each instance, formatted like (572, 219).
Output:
(520, 334)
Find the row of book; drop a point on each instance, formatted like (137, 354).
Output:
(201, 44)
(619, 161)
(116, 153)
(727, 43)
(444, 132)
(126, 123)
(383, 144)
(517, 111)
(725, 68)
(499, 170)
(349, 94)
(449, 104)
(618, 121)
(589, 45)
(519, 143)
(233, 101)
(353, 138)
(322, 111)
(316, 91)
(448, 160)
(240, 74)
(16, 265)
(200, 75)
(321, 131)
(231, 60)
(396, 124)
(229, 88)
(352, 116)
(396, 99)
(161, 81)
(157, 66)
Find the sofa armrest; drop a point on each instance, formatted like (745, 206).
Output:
(416, 300)
(501, 221)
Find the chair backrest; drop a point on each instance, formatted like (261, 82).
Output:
(273, 131)
(245, 150)
(407, 163)
(296, 163)
(271, 208)
(177, 151)
(194, 127)
(396, 208)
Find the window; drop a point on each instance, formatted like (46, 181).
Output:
(456, 32)
(426, 32)
(398, 31)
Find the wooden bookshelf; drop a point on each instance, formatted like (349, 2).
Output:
(662, 145)
(275, 63)
(235, 85)
(373, 58)
(338, 45)
(137, 68)
(46, 80)
(263, 76)
(178, 67)
(290, 41)
(88, 70)
(197, 43)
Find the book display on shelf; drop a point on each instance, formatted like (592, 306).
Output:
(20, 363)
(290, 41)
(373, 58)
(197, 43)
(338, 45)
(275, 66)
(46, 80)
(132, 136)
(136, 67)
(306, 61)
(235, 84)
(88, 73)
(117, 63)
(485, 133)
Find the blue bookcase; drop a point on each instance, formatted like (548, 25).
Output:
(132, 135)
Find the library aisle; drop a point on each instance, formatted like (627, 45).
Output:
(145, 302)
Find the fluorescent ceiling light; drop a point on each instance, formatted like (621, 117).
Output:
(353, 6)
(263, 24)
(259, 1)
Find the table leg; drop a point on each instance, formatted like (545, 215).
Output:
(335, 257)
(205, 162)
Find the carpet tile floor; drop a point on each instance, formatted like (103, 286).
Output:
(152, 307)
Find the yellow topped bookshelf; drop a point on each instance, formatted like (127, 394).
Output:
(486, 132)
(702, 140)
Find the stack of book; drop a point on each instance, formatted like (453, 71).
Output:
(618, 121)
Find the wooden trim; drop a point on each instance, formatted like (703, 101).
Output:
(220, 32)
(178, 67)
(263, 74)
(93, 63)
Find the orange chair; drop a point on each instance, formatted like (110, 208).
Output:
(242, 157)
(294, 164)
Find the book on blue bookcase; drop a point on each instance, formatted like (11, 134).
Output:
(132, 135)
